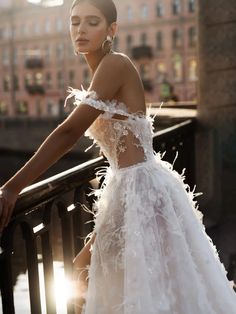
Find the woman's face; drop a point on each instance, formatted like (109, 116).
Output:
(88, 28)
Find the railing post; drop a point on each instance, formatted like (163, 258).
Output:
(48, 261)
(6, 284)
(32, 263)
(67, 246)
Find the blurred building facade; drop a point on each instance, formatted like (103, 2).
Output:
(37, 62)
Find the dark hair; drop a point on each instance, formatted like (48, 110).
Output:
(107, 7)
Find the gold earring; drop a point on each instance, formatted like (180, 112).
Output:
(107, 44)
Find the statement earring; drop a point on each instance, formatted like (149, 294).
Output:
(107, 44)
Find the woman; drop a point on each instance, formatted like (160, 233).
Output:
(148, 252)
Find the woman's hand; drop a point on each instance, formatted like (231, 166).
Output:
(7, 202)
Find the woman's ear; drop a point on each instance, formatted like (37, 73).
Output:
(113, 29)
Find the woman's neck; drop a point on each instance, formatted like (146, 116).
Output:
(93, 60)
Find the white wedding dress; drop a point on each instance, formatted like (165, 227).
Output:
(151, 254)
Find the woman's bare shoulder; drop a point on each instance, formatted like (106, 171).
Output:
(117, 60)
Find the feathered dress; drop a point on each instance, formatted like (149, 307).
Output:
(151, 254)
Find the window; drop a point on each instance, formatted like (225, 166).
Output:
(59, 24)
(192, 71)
(176, 38)
(143, 39)
(5, 57)
(161, 72)
(3, 108)
(144, 72)
(47, 53)
(28, 80)
(129, 41)
(71, 78)
(39, 79)
(160, 9)
(47, 26)
(59, 51)
(60, 81)
(52, 109)
(15, 56)
(144, 11)
(22, 107)
(176, 8)
(129, 13)
(159, 40)
(177, 68)
(36, 28)
(191, 6)
(48, 78)
(6, 83)
(38, 107)
(23, 30)
(16, 83)
(192, 36)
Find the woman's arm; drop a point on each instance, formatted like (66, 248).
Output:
(106, 82)
(60, 141)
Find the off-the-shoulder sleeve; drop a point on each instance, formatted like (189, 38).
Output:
(91, 98)
(88, 98)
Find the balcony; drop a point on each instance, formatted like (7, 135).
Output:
(64, 195)
(34, 63)
(35, 89)
(140, 52)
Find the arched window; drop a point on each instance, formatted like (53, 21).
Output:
(159, 40)
(176, 7)
(160, 9)
(176, 38)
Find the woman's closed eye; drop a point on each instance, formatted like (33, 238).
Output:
(91, 22)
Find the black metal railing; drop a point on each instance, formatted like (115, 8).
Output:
(65, 194)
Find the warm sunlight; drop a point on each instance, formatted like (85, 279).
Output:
(47, 3)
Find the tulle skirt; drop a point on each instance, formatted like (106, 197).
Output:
(151, 254)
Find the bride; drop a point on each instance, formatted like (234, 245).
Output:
(148, 252)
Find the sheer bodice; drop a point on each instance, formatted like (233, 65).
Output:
(124, 141)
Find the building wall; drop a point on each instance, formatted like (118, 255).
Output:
(29, 31)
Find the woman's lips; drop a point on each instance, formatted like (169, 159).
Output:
(82, 41)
